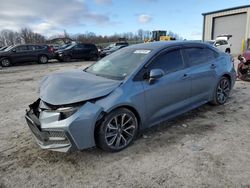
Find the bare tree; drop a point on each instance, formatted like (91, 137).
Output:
(140, 34)
(28, 36)
(8, 37)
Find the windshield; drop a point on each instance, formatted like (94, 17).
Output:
(119, 64)
(8, 48)
(109, 46)
(65, 46)
(68, 47)
(115, 48)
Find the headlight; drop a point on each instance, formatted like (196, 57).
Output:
(66, 112)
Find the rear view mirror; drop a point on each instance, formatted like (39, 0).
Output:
(155, 74)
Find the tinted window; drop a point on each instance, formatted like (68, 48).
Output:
(200, 55)
(91, 46)
(31, 47)
(168, 62)
(21, 48)
(79, 46)
(39, 47)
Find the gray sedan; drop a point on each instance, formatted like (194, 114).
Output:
(110, 102)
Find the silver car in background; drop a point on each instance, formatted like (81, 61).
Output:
(139, 86)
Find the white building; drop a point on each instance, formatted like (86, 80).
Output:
(234, 21)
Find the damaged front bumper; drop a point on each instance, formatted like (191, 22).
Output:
(73, 133)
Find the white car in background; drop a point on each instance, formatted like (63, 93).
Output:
(222, 43)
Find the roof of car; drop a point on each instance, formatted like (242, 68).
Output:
(163, 44)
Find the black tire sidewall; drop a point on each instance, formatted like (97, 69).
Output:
(39, 59)
(215, 100)
(3, 64)
(100, 136)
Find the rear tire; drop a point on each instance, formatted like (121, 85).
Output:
(43, 59)
(5, 62)
(117, 130)
(222, 91)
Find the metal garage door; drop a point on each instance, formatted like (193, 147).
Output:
(234, 25)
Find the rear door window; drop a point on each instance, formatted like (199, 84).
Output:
(198, 55)
(169, 62)
(89, 46)
(31, 47)
(79, 46)
(21, 48)
(40, 47)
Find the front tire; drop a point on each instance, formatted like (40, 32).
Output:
(5, 62)
(117, 131)
(222, 91)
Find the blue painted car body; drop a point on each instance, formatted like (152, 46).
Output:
(174, 93)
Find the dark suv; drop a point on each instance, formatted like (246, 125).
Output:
(78, 51)
(26, 53)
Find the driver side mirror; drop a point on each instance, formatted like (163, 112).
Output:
(217, 44)
(155, 74)
(14, 50)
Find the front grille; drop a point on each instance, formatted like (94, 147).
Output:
(47, 137)
(56, 137)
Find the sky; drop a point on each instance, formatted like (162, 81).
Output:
(107, 17)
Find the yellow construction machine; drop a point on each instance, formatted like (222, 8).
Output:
(159, 35)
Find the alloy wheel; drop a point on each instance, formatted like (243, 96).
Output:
(5, 63)
(223, 90)
(120, 131)
(43, 59)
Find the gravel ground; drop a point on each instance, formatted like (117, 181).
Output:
(207, 147)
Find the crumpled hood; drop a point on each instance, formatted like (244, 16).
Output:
(74, 86)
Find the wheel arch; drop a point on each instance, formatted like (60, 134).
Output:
(227, 76)
(129, 107)
(43, 55)
(6, 57)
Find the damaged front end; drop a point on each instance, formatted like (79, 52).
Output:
(63, 127)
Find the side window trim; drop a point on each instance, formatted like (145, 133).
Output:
(25, 46)
(164, 51)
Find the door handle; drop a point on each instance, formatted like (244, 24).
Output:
(213, 66)
(185, 76)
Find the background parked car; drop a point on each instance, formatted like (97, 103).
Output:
(222, 43)
(121, 43)
(26, 53)
(78, 51)
(104, 52)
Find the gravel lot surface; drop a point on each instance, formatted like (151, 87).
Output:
(207, 147)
